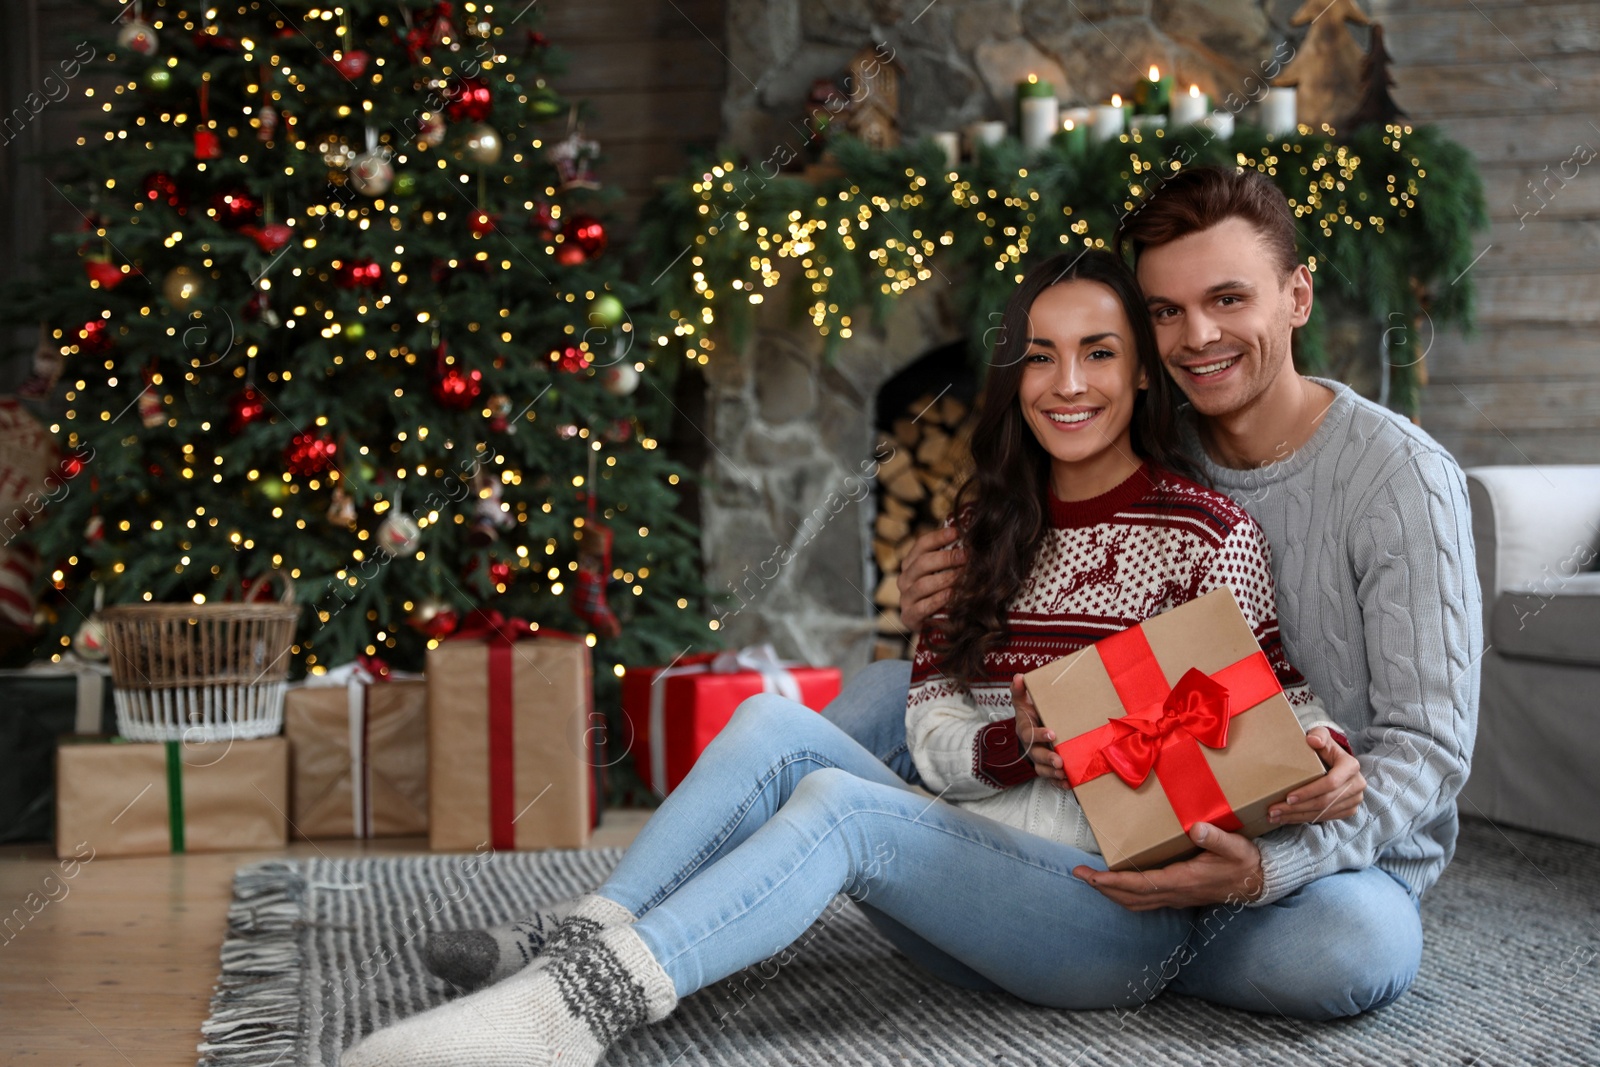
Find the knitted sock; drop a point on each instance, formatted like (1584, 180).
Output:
(472, 959)
(566, 1012)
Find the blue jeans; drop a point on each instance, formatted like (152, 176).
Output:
(1344, 944)
(784, 811)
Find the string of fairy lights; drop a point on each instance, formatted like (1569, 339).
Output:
(891, 226)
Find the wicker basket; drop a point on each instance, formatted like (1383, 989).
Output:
(201, 672)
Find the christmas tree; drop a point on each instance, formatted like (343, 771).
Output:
(1377, 106)
(342, 309)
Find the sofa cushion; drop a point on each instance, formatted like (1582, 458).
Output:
(1561, 625)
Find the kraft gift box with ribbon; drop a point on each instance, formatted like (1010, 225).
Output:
(1175, 721)
(141, 798)
(511, 738)
(674, 713)
(358, 739)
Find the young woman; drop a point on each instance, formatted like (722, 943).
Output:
(1077, 528)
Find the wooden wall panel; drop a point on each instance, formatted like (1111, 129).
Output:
(652, 74)
(1519, 85)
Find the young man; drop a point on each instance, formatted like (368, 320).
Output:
(1379, 607)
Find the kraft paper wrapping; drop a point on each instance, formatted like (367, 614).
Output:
(115, 796)
(326, 803)
(1265, 758)
(552, 769)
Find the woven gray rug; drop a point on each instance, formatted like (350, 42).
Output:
(320, 952)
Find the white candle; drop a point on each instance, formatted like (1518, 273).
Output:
(1189, 108)
(1108, 120)
(1041, 116)
(951, 143)
(1078, 116)
(981, 134)
(1278, 111)
(1221, 123)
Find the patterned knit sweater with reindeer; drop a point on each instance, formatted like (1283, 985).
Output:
(1154, 542)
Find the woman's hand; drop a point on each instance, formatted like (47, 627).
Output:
(1336, 795)
(1036, 741)
(926, 575)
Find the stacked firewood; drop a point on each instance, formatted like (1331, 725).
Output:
(917, 484)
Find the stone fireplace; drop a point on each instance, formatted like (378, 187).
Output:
(790, 495)
(790, 505)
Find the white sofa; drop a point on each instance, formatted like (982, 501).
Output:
(1537, 760)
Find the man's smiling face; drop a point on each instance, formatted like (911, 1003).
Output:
(1224, 311)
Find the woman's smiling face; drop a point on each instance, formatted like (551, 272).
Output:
(1080, 378)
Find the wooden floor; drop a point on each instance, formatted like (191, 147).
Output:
(116, 969)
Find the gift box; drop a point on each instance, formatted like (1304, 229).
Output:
(1175, 721)
(674, 713)
(358, 744)
(37, 706)
(511, 756)
(140, 798)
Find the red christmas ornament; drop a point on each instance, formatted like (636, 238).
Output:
(542, 222)
(235, 208)
(206, 144)
(70, 467)
(499, 572)
(309, 454)
(359, 273)
(588, 232)
(468, 100)
(94, 337)
(454, 387)
(215, 42)
(245, 407)
(104, 272)
(269, 238)
(431, 31)
(570, 254)
(353, 64)
(160, 188)
(482, 224)
(572, 359)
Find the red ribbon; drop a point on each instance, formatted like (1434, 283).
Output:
(500, 633)
(1165, 726)
(374, 666)
(493, 627)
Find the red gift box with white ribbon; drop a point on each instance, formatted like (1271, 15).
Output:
(674, 712)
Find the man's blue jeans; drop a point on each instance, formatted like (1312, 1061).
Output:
(784, 811)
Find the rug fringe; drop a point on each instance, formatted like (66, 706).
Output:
(255, 1009)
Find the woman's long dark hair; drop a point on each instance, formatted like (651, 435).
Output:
(1002, 508)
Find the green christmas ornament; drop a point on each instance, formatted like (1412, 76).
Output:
(607, 311)
(274, 489)
(355, 331)
(404, 185)
(158, 79)
(543, 104)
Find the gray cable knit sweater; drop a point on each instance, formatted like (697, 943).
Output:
(1380, 609)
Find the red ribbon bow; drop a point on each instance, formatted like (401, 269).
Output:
(491, 626)
(1165, 726)
(1197, 707)
(374, 666)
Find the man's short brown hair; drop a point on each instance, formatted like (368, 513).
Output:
(1199, 198)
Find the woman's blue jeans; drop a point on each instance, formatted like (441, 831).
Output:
(784, 811)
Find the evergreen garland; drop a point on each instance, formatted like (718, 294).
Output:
(1386, 218)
